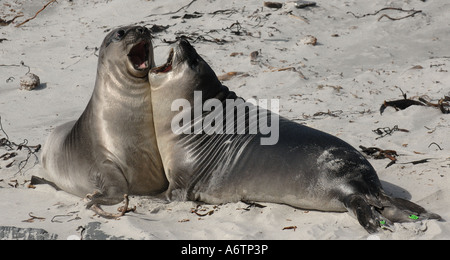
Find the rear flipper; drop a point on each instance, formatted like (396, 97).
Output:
(35, 180)
(401, 210)
(374, 213)
(366, 213)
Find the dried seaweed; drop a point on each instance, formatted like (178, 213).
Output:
(401, 104)
(7, 22)
(13, 148)
(400, 18)
(42, 9)
(194, 37)
(199, 208)
(174, 12)
(384, 131)
(412, 13)
(290, 228)
(378, 154)
(32, 218)
(392, 155)
(158, 28)
(443, 104)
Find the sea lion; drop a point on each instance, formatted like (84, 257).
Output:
(305, 168)
(110, 151)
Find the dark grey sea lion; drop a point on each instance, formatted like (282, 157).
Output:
(306, 168)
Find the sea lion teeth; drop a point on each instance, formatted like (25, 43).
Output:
(167, 66)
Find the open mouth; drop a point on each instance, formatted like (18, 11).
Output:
(166, 67)
(138, 56)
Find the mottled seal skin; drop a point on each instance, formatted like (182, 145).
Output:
(307, 168)
(111, 149)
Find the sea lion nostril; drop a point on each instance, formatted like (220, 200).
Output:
(184, 41)
(120, 34)
(140, 30)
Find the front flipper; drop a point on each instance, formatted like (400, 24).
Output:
(366, 213)
(94, 206)
(111, 187)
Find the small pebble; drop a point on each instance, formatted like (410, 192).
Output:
(273, 5)
(309, 40)
(303, 4)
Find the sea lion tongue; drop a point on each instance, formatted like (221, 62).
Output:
(138, 56)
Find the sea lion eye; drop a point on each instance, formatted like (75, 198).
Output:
(195, 64)
(120, 34)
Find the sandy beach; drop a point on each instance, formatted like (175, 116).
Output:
(332, 66)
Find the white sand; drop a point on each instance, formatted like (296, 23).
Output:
(355, 66)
